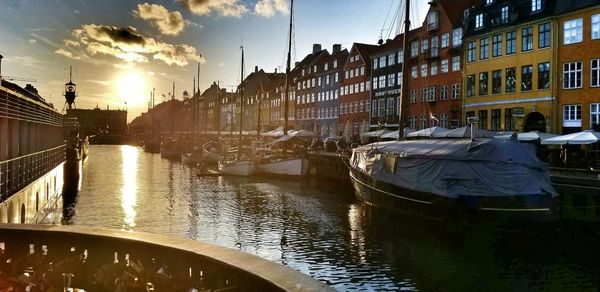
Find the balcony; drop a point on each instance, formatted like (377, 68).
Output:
(67, 258)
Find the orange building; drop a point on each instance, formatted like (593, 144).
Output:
(579, 65)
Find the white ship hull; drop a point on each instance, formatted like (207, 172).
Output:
(239, 168)
(292, 167)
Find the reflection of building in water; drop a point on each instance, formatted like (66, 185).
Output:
(108, 126)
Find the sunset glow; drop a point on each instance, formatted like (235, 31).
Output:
(131, 87)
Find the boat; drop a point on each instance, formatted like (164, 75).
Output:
(284, 163)
(193, 157)
(443, 175)
(236, 163)
(211, 152)
(169, 149)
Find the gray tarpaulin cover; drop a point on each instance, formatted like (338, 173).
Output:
(454, 168)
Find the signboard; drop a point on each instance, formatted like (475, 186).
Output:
(518, 112)
(387, 92)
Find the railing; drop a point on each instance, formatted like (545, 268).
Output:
(17, 173)
(18, 107)
(61, 258)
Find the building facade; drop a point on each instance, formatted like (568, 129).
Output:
(436, 63)
(355, 89)
(329, 77)
(306, 88)
(509, 56)
(579, 65)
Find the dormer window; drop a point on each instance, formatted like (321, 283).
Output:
(479, 21)
(488, 2)
(432, 20)
(504, 14)
(536, 5)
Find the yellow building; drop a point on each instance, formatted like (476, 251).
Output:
(510, 57)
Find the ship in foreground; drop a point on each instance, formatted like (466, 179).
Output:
(441, 176)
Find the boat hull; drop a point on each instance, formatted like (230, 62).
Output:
(238, 168)
(541, 208)
(290, 167)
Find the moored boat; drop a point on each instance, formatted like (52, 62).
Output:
(231, 165)
(278, 164)
(211, 152)
(492, 176)
(193, 157)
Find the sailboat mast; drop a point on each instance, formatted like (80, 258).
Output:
(404, 87)
(287, 73)
(241, 105)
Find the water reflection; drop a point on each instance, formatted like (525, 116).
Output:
(129, 156)
(319, 229)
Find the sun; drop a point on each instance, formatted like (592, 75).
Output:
(131, 88)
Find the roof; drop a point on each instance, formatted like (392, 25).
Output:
(455, 9)
(23, 91)
(565, 6)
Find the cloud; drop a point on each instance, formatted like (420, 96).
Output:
(127, 44)
(33, 41)
(268, 8)
(168, 23)
(100, 82)
(223, 7)
(45, 40)
(67, 54)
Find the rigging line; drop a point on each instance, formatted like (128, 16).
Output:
(386, 18)
(396, 16)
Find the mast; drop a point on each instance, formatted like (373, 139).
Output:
(259, 101)
(241, 105)
(198, 78)
(287, 72)
(404, 87)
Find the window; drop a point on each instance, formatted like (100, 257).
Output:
(456, 91)
(444, 92)
(381, 108)
(496, 82)
(390, 107)
(424, 45)
(457, 37)
(413, 122)
(526, 76)
(595, 73)
(483, 119)
(544, 35)
(471, 52)
(504, 14)
(382, 61)
(424, 70)
(444, 66)
(422, 122)
(470, 85)
(536, 5)
(573, 31)
(511, 79)
(334, 63)
(401, 56)
(381, 83)
(508, 120)
(511, 42)
(391, 59)
(434, 68)
(596, 26)
(375, 64)
(495, 126)
(414, 73)
(432, 20)
(572, 115)
(488, 2)
(572, 75)
(444, 120)
(455, 63)
(326, 66)
(595, 116)
(391, 80)
(483, 83)
(362, 73)
(445, 40)
(484, 48)
(374, 106)
(414, 49)
(435, 46)
(413, 96)
(479, 21)
(544, 76)
(527, 39)
(375, 83)
(399, 78)
(497, 45)
(351, 74)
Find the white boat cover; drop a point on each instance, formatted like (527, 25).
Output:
(453, 168)
(464, 132)
(428, 133)
(375, 134)
(580, 138)
(528, 136)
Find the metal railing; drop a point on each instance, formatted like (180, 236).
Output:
(18, 172)
(61, 258)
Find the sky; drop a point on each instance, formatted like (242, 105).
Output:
(120, 51)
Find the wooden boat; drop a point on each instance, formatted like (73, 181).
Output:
(231, 165)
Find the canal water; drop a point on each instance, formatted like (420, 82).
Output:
(318, 228)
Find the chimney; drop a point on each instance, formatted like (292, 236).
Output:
(316, 48)
(337, 48)
(255, 69)
(275, 70)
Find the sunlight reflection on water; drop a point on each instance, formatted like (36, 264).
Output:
(128, 192)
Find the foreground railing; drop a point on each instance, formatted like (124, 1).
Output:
(50, 258)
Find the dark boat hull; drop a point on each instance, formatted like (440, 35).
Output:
(505, 209)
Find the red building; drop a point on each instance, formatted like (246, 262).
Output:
(355, 89)
(435, 66)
